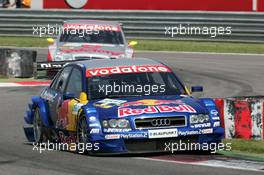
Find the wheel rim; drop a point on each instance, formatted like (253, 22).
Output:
(37, 126)
(82, 131)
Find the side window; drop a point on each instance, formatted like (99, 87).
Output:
(62, 79)
(75, 83)
(55, 81)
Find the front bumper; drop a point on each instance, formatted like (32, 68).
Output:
(142, 141)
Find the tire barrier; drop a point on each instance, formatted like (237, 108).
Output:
(17, 63)
(242, 117)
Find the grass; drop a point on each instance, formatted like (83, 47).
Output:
(12, 80)
(247, 146)
(194, 46)
(155, 45)
(23, 41)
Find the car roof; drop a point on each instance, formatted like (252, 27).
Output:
(107, 63)
(92, 22)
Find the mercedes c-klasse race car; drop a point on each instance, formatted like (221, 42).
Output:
(89, 39)
(137, 105)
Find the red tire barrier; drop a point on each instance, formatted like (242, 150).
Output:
(242, 117)
(243, 123)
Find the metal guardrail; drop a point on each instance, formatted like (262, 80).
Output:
(246, 26)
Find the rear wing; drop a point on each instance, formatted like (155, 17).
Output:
(48, 70)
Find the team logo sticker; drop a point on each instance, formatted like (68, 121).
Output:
(108, 103)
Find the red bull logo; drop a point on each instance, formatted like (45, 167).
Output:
(124, 112)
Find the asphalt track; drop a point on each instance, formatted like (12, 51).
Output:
(221, 75)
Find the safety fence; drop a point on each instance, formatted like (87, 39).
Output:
(166, 25)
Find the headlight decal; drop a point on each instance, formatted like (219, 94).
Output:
(116, 123)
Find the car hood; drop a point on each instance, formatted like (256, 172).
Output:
(148, 106)
(81, 51)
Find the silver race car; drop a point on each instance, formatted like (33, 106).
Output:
(90, 39)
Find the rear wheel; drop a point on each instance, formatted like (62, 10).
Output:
(38, 127)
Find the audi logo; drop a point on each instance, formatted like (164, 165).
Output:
(160, 122)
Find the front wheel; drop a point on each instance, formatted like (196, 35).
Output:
(82, 135)
(37, 127)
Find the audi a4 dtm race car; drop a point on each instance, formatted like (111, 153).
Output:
(137, 105)
(89, 39)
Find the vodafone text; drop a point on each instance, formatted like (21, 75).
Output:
(125, 70)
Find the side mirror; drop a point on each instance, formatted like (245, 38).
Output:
(132, 43)
(83, 97)
(197, 88)
(187, 91)
(68, 96)
(50, 40)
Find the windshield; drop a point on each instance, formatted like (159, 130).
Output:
(102, 37)
(134, 84)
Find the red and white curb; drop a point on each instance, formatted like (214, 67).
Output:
(209, 161)
(25, 84)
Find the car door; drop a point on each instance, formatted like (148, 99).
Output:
(57, 89)
(66, 114)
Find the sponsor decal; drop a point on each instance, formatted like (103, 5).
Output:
(116, 130)
(214, 112)
(108, 103)
(217, 124)
(126, 70)
(66, 138)
(90, 110)
(62, 120)
(209, 103)
(151, 102)
(90, 48)
(50, 65)
(76, 108)
(124, 112)
(134, 135)
(162, 133)
(95, 131)
(94, 125)
(201, 125)
(187, 133)
(92, 119)
(112, 136)
(195, 132)
(92, 27)
(216, 118)
(207, 131)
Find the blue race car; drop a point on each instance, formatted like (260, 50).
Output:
(121, 106)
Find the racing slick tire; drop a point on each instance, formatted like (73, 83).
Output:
(38, 127)
(82, 135)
